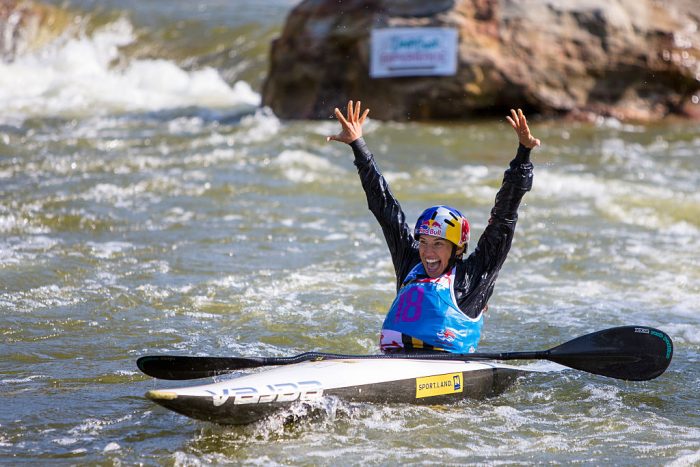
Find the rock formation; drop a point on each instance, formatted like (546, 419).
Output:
(26, 26)
(630, 59)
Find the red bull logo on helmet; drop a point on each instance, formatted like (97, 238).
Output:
(430, 227)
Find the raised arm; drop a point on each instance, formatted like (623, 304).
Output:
(380, 199)
(490, 253)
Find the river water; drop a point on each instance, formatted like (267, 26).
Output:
(148, 205)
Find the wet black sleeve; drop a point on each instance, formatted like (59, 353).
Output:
(387, 211)
(474, 288)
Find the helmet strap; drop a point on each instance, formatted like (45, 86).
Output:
(453, 258)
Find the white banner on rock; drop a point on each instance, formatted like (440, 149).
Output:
(413, 52)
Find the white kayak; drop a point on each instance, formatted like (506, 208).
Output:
(251, 397)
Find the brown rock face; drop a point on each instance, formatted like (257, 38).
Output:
(26, 26)
(631, 59)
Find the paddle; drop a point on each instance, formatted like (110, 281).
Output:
(635, 353)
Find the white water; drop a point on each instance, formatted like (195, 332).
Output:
(136, 217)
(84, 75)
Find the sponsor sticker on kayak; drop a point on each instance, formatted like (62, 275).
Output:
(429, 386)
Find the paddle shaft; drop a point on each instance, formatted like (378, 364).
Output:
(629, 352)
(318, 356)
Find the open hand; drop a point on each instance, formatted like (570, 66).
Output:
(352, 125)
(519, 123)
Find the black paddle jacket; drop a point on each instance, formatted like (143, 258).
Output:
(476, 274)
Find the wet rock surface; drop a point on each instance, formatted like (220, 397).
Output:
(628, 59)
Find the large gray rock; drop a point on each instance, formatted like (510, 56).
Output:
(631, 59)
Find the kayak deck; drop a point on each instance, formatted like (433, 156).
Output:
(248, 398)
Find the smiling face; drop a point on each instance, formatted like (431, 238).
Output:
(435, 254)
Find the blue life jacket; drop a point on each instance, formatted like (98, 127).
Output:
(426, 309)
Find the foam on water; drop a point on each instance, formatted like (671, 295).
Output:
(147, 229)
(635, 203)
(111, 447)
(304, 167)
(108, 249)
(47, 296)
(260, 126)
(76, 75)
(686, 460)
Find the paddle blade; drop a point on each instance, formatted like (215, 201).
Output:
(634, 353)
(179, 367)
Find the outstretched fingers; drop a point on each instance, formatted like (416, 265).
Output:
(523, 120)
(513, 119)
(517, 119)
(519, 123)
(364, 116)
(351, 123)
(341, 118)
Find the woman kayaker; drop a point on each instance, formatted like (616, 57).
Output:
(441, 295)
